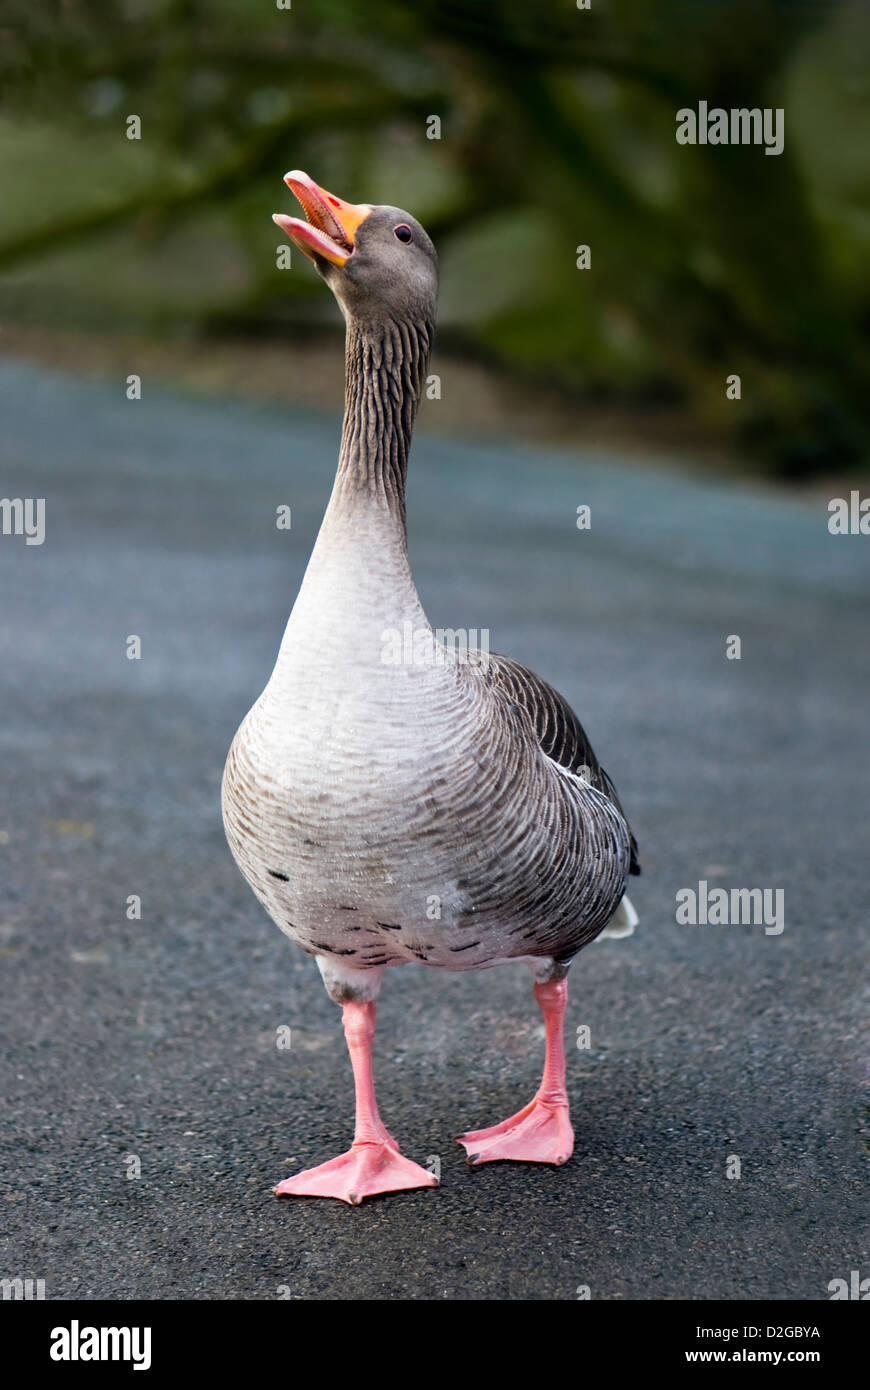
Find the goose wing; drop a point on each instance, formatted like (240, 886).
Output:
(559, 731)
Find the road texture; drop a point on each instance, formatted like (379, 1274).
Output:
(155, 1039)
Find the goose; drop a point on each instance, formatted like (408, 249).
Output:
(441, 810)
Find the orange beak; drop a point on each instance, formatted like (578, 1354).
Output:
(331, 223)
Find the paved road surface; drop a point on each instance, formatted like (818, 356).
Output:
(156, 1038)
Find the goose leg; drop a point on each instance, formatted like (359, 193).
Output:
(373, 1163)
(541, 1132)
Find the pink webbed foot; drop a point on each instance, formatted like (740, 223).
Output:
(367, 1168)
(540, 1133)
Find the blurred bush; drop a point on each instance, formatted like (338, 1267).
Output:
(557, 129)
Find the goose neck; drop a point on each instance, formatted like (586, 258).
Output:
(384, 373)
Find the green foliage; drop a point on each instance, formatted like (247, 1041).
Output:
(558, 129)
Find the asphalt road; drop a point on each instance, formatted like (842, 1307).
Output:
(156, 1038)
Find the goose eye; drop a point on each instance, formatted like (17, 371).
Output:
(403, 232)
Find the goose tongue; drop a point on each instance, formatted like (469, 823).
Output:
(331, 224)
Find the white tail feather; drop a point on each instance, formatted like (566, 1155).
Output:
(623, 921)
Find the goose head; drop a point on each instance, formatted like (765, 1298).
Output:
(377, 259)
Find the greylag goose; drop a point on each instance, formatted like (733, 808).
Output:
(438, 810)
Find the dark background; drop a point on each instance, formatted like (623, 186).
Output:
(557, 129)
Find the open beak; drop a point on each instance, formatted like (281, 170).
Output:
(330, 226)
